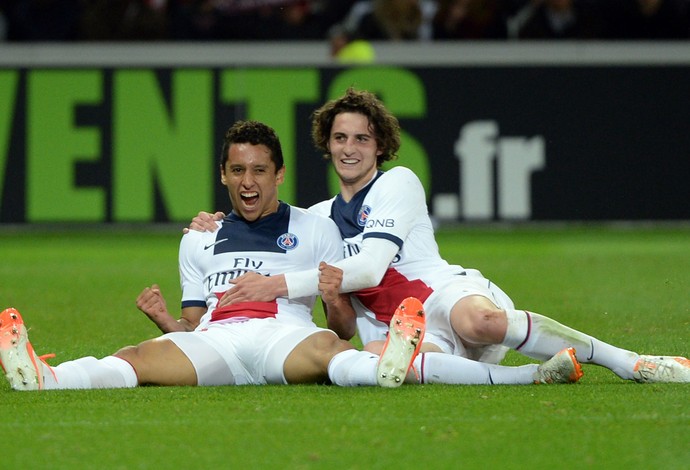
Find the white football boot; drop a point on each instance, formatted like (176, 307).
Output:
(650, 369)
(560, 369)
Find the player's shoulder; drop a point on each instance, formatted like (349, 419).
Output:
(399, 179)
(305, 215)
(193, 240)
(196, 236)
(322, 208)
(299, 212)
(319, 226)
(399, 172)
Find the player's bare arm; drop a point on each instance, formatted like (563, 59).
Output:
(340, 315)
(152, 303)
(254, 287)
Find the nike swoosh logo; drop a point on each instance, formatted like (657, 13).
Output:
(591, 355)
(215, 243)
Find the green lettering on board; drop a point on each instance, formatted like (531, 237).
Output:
(271, 96)
(404, 95)
(162, 145)
(8, 90)
(54, 144)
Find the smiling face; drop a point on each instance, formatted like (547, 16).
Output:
(354, 151)
(252, 179)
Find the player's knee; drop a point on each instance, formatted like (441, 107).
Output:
(328, 345)
(374, 347)
(478, 321)
(137, 356)
(488, 324)
(324, 348)
(128, 353)
(308, 362)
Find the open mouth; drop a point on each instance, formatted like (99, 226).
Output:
(250, 198)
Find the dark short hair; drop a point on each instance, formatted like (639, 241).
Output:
(384, 124)
(255, 133)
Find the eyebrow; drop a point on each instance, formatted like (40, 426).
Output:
(356, 135)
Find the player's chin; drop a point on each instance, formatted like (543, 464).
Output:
(249, 213)
(249, 208)
(349, 174)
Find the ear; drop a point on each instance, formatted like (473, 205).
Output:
(280, 175)
(222, 176)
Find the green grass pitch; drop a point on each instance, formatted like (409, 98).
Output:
(629, 286)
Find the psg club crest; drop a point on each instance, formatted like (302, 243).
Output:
(288, 241)
(363, 215)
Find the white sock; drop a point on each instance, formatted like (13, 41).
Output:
(353, 368)
(443, 368)
(540, 337)
(89, 372)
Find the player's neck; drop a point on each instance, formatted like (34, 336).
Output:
(348, 189)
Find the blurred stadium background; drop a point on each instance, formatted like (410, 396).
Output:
(114, 111)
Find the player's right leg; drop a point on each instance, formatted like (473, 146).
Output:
(22, 366)
(443, 368)
(159, 361)
(25, 370)
(561, 368)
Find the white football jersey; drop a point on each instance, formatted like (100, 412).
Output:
(392, 207)
(291, 239)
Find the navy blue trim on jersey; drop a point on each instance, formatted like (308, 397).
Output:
(346, 215)
(194, 303)
(237, 234)
(385, 236)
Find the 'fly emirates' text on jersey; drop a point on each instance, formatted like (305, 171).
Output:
(392, 207)
(291, 239)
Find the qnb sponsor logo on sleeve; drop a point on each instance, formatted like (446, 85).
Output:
(382, 223)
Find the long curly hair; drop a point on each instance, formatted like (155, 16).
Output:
(384, 126)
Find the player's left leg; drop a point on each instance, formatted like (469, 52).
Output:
(478, 321)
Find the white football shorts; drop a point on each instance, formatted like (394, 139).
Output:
(242, 353)
(439, 304)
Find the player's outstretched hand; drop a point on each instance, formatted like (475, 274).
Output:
(204, 222)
